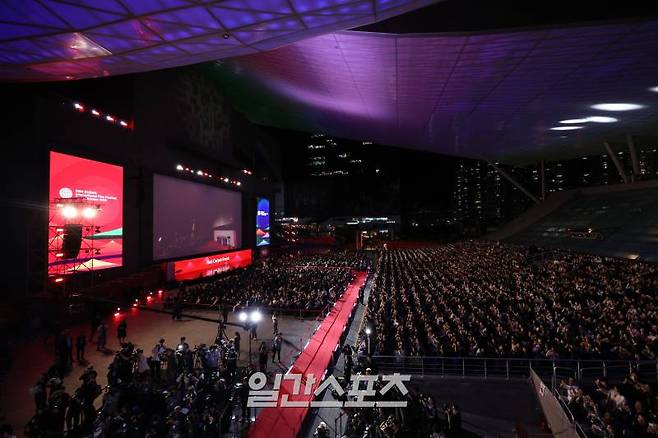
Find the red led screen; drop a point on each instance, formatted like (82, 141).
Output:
(85, 226)
(212, 264)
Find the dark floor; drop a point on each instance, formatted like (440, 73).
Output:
(489, 407)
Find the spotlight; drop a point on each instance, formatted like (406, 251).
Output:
(59, 280)
(618, 106)
(256, 316)
(574, 121)
(594, 119)
(200, 173)
(69, 211)
(179, 167)
(123, 123)
(566, 128)
(601, 119)
(109, 118)
(96, 113)
(242, 316)
(78, 107)
(238, 183)
(368, 331)
(654, 89)
(89, 213)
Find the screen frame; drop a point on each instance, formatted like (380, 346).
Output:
(196, 181)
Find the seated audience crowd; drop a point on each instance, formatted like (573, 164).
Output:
(628, 409)
(307, 282)
(492, 299)
(359, 260)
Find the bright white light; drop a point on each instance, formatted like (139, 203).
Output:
(654, 89)
(200, 173)
(123, 123)
(256, 316)
(242, 316)
(566, 128)
(617, 106)
(179, 167)
(594, 119)
(574, 121)
(69, 211)
(89, 213)
(96, 113)
(109, 118)
(601, 119)
(368, 331)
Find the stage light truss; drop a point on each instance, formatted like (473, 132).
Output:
(60, 216)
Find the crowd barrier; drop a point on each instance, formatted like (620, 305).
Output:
(552, 370)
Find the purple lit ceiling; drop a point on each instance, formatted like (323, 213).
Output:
(43, 40)
(494, 94)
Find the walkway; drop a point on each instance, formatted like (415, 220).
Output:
(287, 422)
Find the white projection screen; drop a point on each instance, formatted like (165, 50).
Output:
(191, 218)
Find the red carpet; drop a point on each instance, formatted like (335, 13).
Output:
(286, 422)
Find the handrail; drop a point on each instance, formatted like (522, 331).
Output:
(508, 367)
(579, 428)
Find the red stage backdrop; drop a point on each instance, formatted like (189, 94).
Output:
(211, 265)
(91, 192)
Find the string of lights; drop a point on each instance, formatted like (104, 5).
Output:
(109, 118)
(204, 174)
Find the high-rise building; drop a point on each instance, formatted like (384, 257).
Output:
(483, 198)
(328, 156)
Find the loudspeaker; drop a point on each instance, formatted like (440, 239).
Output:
(72, 240)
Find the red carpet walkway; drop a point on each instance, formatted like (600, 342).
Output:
(286, 422)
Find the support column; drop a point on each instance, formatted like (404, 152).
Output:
(615, 160)
(512, 180)
(634, 160)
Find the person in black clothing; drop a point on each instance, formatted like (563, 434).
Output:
(95, 323)
(453, 421)
(177, 314)
(231, 361)
(263, 355)
(277, 344)
(80, 344)
(236, 343)
(122, 331)
(74, 412)
(41, 393)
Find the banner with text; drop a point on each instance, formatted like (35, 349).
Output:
(210, 265)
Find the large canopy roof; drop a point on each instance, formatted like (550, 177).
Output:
(73, 39)
(492, 94)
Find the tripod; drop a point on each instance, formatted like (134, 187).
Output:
(221, 332)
